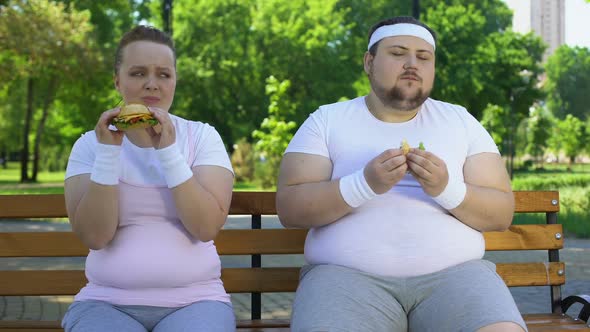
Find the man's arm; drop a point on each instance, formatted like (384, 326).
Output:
(306, 197)
(489, 202)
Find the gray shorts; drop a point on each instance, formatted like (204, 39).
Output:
(98, 316)
(465, 297)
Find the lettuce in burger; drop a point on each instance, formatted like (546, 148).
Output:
(134, 116)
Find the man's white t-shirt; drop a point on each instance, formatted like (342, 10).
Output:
(402, 232)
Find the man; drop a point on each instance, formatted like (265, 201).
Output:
(395, 241)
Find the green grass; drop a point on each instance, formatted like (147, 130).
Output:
(11, 175)
(47, 182)
(52, 182)
(574, 196)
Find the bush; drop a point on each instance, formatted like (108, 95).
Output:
(266, 172)
(556, 182)
(242, 160)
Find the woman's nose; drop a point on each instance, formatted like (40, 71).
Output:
(151, 83)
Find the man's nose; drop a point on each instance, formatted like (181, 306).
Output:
(411, 61)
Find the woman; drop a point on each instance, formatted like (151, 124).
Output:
(148, 203)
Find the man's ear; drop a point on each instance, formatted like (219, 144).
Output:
(368, 62)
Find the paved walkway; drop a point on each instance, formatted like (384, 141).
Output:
(576, 255)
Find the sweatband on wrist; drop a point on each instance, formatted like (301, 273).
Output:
(453, 195)
(176, 170)
(355, 190)
(105, 170)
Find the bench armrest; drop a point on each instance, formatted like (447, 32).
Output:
(583, 299)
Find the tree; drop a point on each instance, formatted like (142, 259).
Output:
(570, 134)
(568, 82)
(275, 131)
(229, 48)
(479, 59)
(494, 118)
(46, 45)
(538, 131)
(227, 53)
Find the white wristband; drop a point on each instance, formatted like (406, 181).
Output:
(453, 195)
(105, 170)
(176, 170)
(355, 190)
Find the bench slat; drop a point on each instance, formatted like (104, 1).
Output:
(526, 237)
(532, 274)
(260, 241)
(246, 280)
(45, 206)
(41, 244)
(536, 201)
(54, 206)
(263, 203)
(263, 241)
(260, 202)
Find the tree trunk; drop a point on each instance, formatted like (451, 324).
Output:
(24, 155)
(511, 151)
(571, 163)
(51, 88)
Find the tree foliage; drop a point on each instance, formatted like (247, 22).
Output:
(227, 49)
(480, 60)
(568, 82)
(46, 45)
(276, 130)
(538, 132)
(570, 133)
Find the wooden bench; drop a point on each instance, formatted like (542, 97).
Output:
(256, 242)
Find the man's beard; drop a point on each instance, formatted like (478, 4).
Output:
(397, 99)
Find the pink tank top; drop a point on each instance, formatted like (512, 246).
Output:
(152, 260)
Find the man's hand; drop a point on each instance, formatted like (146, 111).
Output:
(385, 170)
(429, 170)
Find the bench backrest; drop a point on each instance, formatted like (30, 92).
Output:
(256, 242)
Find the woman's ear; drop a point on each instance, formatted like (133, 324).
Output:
(116, 82)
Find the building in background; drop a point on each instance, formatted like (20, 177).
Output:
(548, 21)
(545, 17)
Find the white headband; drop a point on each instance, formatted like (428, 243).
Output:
(401, 29)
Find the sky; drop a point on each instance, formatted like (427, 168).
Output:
(577, 18)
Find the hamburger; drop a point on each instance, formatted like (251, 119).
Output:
(134, 116)
(406, 147)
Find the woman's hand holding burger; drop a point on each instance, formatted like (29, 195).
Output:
(103, 134)
(167, 134)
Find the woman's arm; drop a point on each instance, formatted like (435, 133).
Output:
(93, 210)
(202, 202)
